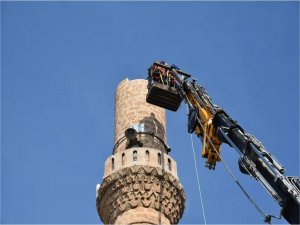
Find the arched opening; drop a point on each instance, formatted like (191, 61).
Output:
(112, 163)
(169, 164)
(159, 158)
(123, 159)
(147, 156)
(134, 156)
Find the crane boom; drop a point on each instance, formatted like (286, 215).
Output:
(168, 86)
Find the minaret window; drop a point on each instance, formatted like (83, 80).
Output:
(147, 156)
(170, 164)
(134, 156)
(123, 159)
(159, 158)
(112, 163)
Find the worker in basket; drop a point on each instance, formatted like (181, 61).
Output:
(161, 75)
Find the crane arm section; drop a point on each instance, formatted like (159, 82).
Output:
(168, 86)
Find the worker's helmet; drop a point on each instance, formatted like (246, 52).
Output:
(175, 67)
(163, 62)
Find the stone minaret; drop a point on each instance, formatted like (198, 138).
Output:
(140, 183)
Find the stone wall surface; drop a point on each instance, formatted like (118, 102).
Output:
(140, 186)
(142, 215)
(131, 109)
(144, 156)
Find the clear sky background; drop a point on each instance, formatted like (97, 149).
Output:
(62, 61)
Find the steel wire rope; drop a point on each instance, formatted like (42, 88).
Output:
(198, 180)
(199, 186)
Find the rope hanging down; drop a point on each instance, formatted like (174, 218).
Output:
(197, 174)
(199, 187)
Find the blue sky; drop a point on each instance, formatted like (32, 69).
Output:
(62, 61)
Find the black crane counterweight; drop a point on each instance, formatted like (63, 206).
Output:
(168, 86)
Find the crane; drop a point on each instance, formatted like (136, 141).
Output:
(168, 86)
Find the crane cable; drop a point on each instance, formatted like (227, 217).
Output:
(267, 218)
(199, 186)
(197, 174)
